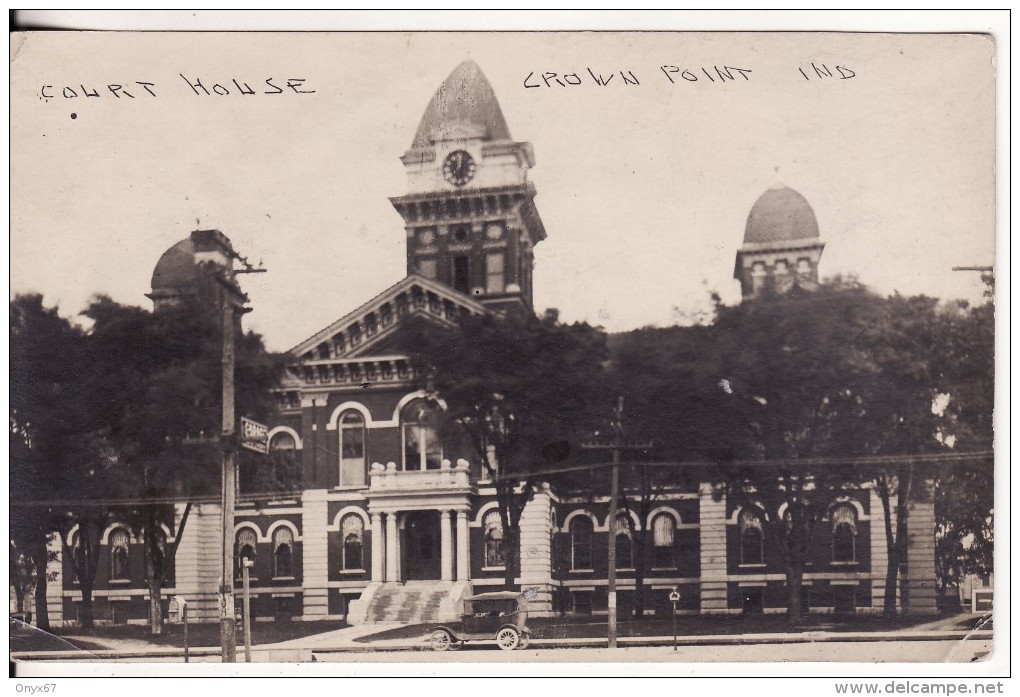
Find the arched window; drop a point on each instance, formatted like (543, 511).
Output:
(283, 441)
(283, 552)
(844, 533)
(245, 546)
(495, 552)
(580, 542)
(352, 449)
(758, 275)
(752, 538)
(77, 554)
(663, 541)
(352, 530)
(624, 542)
(422, 447)
(119, 554)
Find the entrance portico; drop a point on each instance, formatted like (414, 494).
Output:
(420, 520)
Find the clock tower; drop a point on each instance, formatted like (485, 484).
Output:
(469, 213)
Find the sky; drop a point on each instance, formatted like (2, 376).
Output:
(644, 189)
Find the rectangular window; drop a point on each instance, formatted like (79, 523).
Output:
(462, 274)
(427, 268)
(494, 265)
(582, 602)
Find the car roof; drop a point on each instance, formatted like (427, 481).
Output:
(496, 595)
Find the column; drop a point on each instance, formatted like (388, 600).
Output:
(463, 551)
(378, 545)
(445, 540)
(391, 547)
(920, 598)
(712, 517)
(314, 554)
(197, 564)
(536, 552)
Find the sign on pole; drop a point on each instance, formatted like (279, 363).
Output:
(254, 436)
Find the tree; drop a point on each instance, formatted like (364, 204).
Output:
(964, 495)
(517, 388)
(49, 458)
(839, 372)
(155, 379)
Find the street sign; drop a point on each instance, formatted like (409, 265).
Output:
(674, 597)
(254, 436)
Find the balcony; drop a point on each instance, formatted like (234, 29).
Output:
(389, 480)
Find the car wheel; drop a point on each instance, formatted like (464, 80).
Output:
(525, 640)
(508, 638)
(440, 640)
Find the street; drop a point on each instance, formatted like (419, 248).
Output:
(856, 652)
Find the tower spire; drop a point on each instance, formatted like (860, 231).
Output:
(469, 213)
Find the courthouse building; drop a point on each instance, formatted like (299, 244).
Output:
(394, 523)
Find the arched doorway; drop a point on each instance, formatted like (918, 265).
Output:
(421, 546)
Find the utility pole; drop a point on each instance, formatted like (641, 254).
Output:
(232, 305)
(615, 446)
(614, 492)
(228, 640)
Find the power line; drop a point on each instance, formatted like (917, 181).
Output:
(923, 459)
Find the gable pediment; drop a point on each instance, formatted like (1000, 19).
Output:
(372, 329)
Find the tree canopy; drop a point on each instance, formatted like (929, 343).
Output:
(525, 391)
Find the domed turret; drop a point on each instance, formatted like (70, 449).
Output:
(199, 266)
(780, 215)
(781, 247)
(176, 271)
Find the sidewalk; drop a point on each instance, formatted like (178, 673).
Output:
(345, 641)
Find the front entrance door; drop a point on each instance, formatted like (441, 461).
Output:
(421, 546)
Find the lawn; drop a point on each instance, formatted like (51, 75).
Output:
(596, 627)
(28, 638)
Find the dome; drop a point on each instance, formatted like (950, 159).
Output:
(176, 269)
(780, 215)
(464, 99)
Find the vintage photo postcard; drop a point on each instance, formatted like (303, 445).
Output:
(342, 350)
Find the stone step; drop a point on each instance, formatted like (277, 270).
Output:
(407, 604)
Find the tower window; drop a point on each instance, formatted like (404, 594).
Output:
(758, 275)
(427, 268)
(494, 265)
(804, 266)
(461, 274)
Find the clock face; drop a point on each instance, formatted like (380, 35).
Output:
(458, 168)
(426, 237)
(494, 232)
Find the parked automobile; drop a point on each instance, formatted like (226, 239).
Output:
(501, 616)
